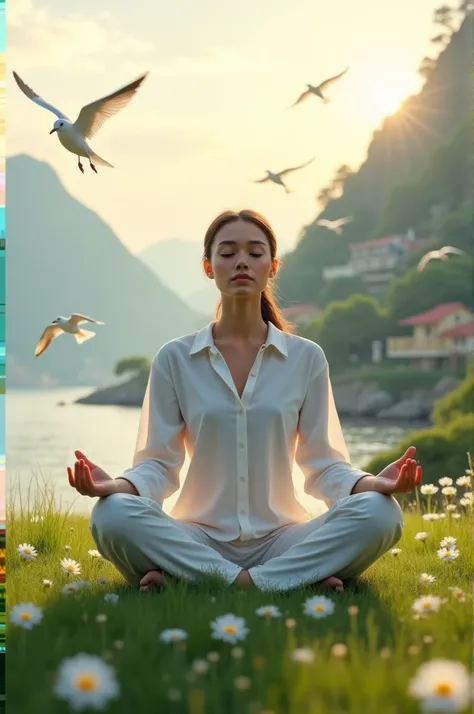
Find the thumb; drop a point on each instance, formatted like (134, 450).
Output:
(80, 455)
(409, 453)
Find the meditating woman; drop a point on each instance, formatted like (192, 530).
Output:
(246, 398)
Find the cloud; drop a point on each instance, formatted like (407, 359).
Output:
(37, 38)
(212, 61)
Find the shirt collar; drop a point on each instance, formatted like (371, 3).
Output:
(204, 339)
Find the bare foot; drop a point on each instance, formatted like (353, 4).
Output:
(333, 583)
(155, 578)
(243, 579)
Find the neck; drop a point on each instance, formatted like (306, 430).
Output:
(241, 319)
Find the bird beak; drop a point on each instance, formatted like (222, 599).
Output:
(52, 131)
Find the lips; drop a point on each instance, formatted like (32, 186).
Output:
(241, 277)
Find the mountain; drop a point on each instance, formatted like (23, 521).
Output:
(403, 151)
(63, 258)
(177, 263)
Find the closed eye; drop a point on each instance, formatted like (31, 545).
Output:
(229, 255)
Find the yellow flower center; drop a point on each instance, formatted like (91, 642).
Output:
(27, 551)
(230, 629)
(70, 568)
(25, 616)
(319, 608)
(173, 636)
(426, 606)
(443, 689)
(86, 682)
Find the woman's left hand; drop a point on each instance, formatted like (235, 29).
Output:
(401, 476)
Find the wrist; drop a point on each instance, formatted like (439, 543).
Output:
(366, 483)
(123, 485)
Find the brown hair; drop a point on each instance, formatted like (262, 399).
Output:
(269, 306)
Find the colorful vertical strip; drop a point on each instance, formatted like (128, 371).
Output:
(2, 356)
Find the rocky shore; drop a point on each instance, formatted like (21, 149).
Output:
(353, 399)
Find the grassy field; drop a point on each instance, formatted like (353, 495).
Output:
(383, 644)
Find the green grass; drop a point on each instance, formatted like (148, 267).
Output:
(148, 670)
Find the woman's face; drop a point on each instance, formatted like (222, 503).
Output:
(240, 247)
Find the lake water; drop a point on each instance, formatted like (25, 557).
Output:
(41, 437)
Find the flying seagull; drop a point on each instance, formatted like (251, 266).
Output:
(441, 254)
(66, 324)
(276, 177)
(318, 91)
(336, 225)
(73, 135)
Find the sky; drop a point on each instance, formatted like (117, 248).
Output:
(213, 114)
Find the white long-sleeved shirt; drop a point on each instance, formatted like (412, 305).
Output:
(239, 483)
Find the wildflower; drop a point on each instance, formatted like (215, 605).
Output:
(422, 536)
(118, 644)
(318, 606)
(463, 481)
(47, 583)
(213, 657)
(449, 491)
(200, 666)
(94, 553)
(385, 652)
(458, 593)
(290, 623)
(428, 639)
(101, 618)
(112, 598)
(26, 615)
(396, 551)
(469, 496)
(456, 515)
(86, 681)
(229, 628)
(303, 655)
(70, 588)
(426, 579)
(465, 502)
(449, 541)
(445, 481)
(173, 635)
(243, 683)
(428, 489)
(339, 650)
(451, 507)
(353, 610)
(427, 603)
(27, 551)
(441, 516)
(413, 650)
(448, 554)
(67, 547)
(268, 611)
(70, 566)
(237, 652)
(430, 516)
(442, 685)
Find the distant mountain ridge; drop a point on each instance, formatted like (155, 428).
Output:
(63, 258)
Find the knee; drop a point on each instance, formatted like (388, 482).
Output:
(383, 513)
(109, 515)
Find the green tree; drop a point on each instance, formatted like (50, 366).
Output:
(140, 366)
(459, 401)
(341, 289)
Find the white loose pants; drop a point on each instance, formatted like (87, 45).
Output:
(136, 535)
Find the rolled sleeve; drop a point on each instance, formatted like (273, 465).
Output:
(160, 450)
(321, 451)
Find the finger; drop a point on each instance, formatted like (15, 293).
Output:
(77, 477)
(89, 484)
(407, 455)
(82, 469)
(419, 475)
(80, 455)
(70, 476)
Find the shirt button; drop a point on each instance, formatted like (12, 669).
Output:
(242, 513)
(252, 374)
(241, 444)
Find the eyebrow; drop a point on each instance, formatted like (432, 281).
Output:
(233, 242)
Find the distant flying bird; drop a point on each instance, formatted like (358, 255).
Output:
(318, 91)
(336, 225)
(66, 324)
(441, 254)
(276, 177)
(91, 117)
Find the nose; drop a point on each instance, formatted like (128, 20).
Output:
(242, 262)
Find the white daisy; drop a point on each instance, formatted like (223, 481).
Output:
(318, 606)
(451, 507)
(268, 611)
(456, 515)
(47, 583)
(445, 481)
(426, 579)
(458, 593)
(27, 551)
(422, 536)
(441, 516)
(70, 566)
(449, 491)
(427, 603)
(71, 588)
(26, 615)
(448, 541)
(200, 666)
(112, 598)
(302, 654)
(428, 489)
(465, 502)
(173, 635)
(229, 628)
(67, 547)
(469, 496)
(396, 551)
(442, 685)
(94, 553)
(86, 681)
(448, 554)
(463, 481)
(430, 516)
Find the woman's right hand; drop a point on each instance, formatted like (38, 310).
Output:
(89, 479)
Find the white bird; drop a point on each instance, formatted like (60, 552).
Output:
(336, 225)
(276, 177)
(319, 89)
(441, 254)
(66, 324)
(73, 135)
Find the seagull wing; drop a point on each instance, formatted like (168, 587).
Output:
(325, 223)
(301, 98)
(31, 94)
(267, 178)
(285, 172)
(327, 82)
(342, 221)
(451, 249)
(77, 319)
(426, 259)
(92, 116)
(46, 338)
